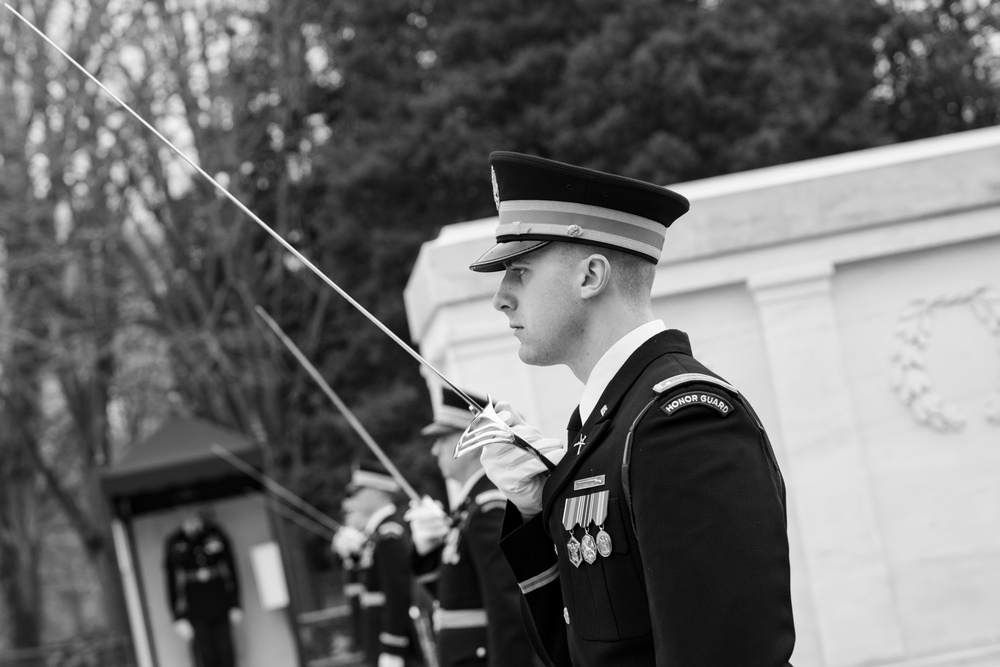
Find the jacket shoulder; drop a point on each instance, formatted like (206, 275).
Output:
(672, 382)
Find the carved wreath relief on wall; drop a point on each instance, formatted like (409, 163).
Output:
(911, 381)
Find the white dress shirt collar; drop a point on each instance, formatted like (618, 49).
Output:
(612, 361)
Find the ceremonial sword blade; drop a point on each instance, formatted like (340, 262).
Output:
(272, 486)
(253, 216)
(336, 400)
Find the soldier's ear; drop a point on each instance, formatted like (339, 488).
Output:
(595, 275)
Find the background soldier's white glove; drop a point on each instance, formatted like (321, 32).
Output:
(347, 542)
(428, 524)
(183, 628)
(390, 660)
(517, 473)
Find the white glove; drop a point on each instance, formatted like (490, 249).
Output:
(390, 660)
(517, 473)
(183, 628)
(347, 542)
(428, 524)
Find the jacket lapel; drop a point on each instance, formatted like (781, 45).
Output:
(599, 421)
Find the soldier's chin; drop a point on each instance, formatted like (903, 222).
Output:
(533, 356)
(524, 353)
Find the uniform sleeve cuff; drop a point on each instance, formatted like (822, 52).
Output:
(528, 549)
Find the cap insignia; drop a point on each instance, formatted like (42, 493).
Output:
(496, 188)
(574, 231)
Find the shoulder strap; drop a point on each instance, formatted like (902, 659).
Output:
(685, 378)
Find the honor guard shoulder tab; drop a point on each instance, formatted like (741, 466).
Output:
(390, 529)
(708, 399)
(492, 499)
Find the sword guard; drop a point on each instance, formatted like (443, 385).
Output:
(487, 428)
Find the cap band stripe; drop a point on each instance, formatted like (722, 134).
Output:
(374, 481)
(580, 222)
(457, 417)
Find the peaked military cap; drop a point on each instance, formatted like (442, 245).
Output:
(541, 201)
(451, 413)
(368, 474)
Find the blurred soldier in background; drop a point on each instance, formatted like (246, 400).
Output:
(388, 635)
(477, 619)
(347, 544)
(203, 589)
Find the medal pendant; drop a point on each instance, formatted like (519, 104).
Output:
(603, 543)
(573, 550)
(600, 513)
(589, 548)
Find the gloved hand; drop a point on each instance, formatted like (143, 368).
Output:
(347, 543)
(428, 524)
(235, 616)
(517, 473)
(183, 628)
(390, 660)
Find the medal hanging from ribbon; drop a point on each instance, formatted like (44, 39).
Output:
(588, 547)
(600, 514)
(572, 511)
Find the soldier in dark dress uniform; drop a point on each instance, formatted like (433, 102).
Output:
(347, 544)
(388, 635)
(477, 616)
(203, 589)
(660, 537)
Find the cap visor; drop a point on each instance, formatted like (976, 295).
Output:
(435, 428)
(494, 258)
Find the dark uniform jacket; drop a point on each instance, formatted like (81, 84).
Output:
(201, 574)
(478, 618)
(387, 581)
(677, 472)
(352, 593)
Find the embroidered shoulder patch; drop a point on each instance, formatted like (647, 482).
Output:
(690, 398)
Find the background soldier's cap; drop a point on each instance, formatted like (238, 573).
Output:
(368, 474)
(541, 201)
(452, 413)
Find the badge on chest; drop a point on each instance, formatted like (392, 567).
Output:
(584, 511)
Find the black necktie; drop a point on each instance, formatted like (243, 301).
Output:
(574, 426)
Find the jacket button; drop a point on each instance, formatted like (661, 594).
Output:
(481, 652)
(566, 615)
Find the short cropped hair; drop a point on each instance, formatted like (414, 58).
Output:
(632, 274)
